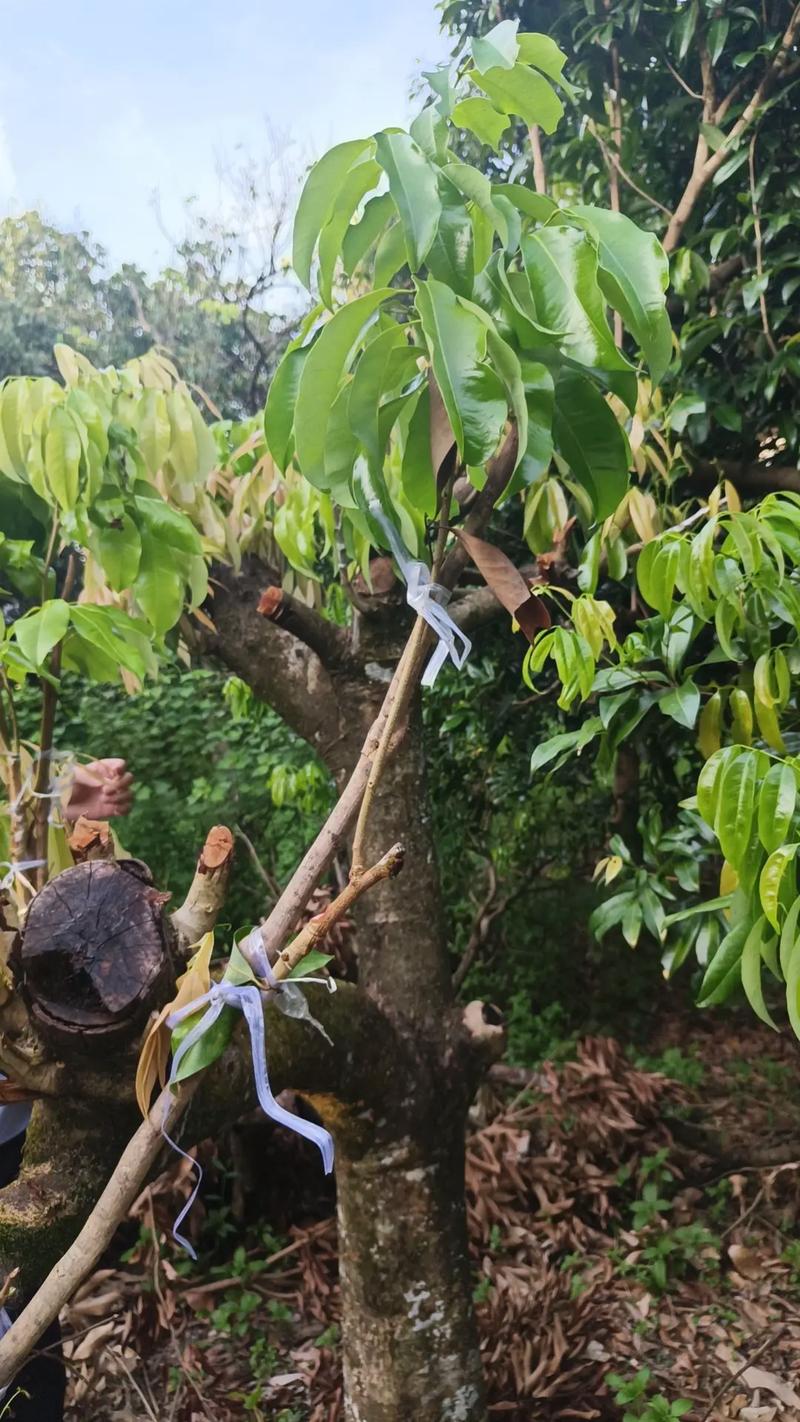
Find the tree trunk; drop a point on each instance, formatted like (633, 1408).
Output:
(409, 1334)
(410, 1345)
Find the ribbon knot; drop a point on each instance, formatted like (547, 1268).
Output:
(427, 599)
(248, 999)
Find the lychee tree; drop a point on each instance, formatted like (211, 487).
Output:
(459, 362)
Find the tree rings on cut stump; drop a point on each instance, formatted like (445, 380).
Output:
(95, 955)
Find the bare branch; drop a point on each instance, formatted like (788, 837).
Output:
(201, 908)
(539, 173)
(331, 643)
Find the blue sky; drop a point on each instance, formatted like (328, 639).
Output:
(104, 104)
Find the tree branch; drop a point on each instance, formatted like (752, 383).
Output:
(201, 908)
(705, 164)
(330, 643)
(539, 172)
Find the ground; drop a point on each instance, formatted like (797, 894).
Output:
(632, 1218)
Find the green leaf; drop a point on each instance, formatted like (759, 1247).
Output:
(153, 429)
(682, 704)
(387, 363)
(476, 188)
(158, 519)
(656, 571)
(363, 176)
(751, 971)
(790, 962)
(38, 632)
(736, 807)
(482, 119)
(590, 439)
(542, 52)
(183, 449)
(62, 459)
(96, 625)
(413, 185)
(723, 973)
(208, 1048)
(390, 253)
(562, 265)
(280, 406)
(717, 35)
(362, 235)
(159, 586)
(634, 275)
(772, 880)
(497, 48)
(709, 782)
(789, 936)
(118, 546)
(451, 255)
(312, 963)
(472, 393)
(322, 187)
(776, 806)
(320, 376)
(523, 92)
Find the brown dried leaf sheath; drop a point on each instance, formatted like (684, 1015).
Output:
(507, 584)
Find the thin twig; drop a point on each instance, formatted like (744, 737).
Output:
(270, 882)
(728, 1383)
(612, 158)
(762, 300)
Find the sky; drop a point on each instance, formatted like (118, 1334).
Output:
(106, 105)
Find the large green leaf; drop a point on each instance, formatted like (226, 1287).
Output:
(62, 459)
(280, 406)
(481, 118)
(38, 632)
(322, 187)
(471, 390)
(160, 520)
(751, 971)
(118, 546)
(362, 235)
(320, 377)
(591, 440)
(723, 973)
(159, 586)
(772, 883)
(524, 92)
(476, 188)
(451, 255)
(776, 805)
(543, 53)
(561, 263)
(634, 275)
(361, 178)
(736, 807)
(413, 185)
(387, 364)
(497, 48)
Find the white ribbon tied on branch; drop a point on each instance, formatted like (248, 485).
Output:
(427, 599)
(248, 999)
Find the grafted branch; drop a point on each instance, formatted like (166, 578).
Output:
(201, 907)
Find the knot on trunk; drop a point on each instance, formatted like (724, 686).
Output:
(95, 955)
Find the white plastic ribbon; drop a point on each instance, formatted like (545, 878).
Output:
(5, 1324)
(427, 599)
(18, 871)
(247, 998)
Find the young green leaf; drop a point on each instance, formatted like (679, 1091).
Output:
(482, 119)
(751, 971)
(736, 806)
(773, 881)
(723, 973)
(522, 91)
(591, 440)
(634, 275)
(498, 48)
(38, 632)
(321, 189)
(776, 806)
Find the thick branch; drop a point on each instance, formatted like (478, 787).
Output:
(279, 667)
(330, 643)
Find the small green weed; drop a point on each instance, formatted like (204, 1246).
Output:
(631, 1393)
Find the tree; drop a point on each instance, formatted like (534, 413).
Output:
(461, 338)
(223, 307)
(686, 664)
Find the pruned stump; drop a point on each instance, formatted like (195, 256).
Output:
(95, 956)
